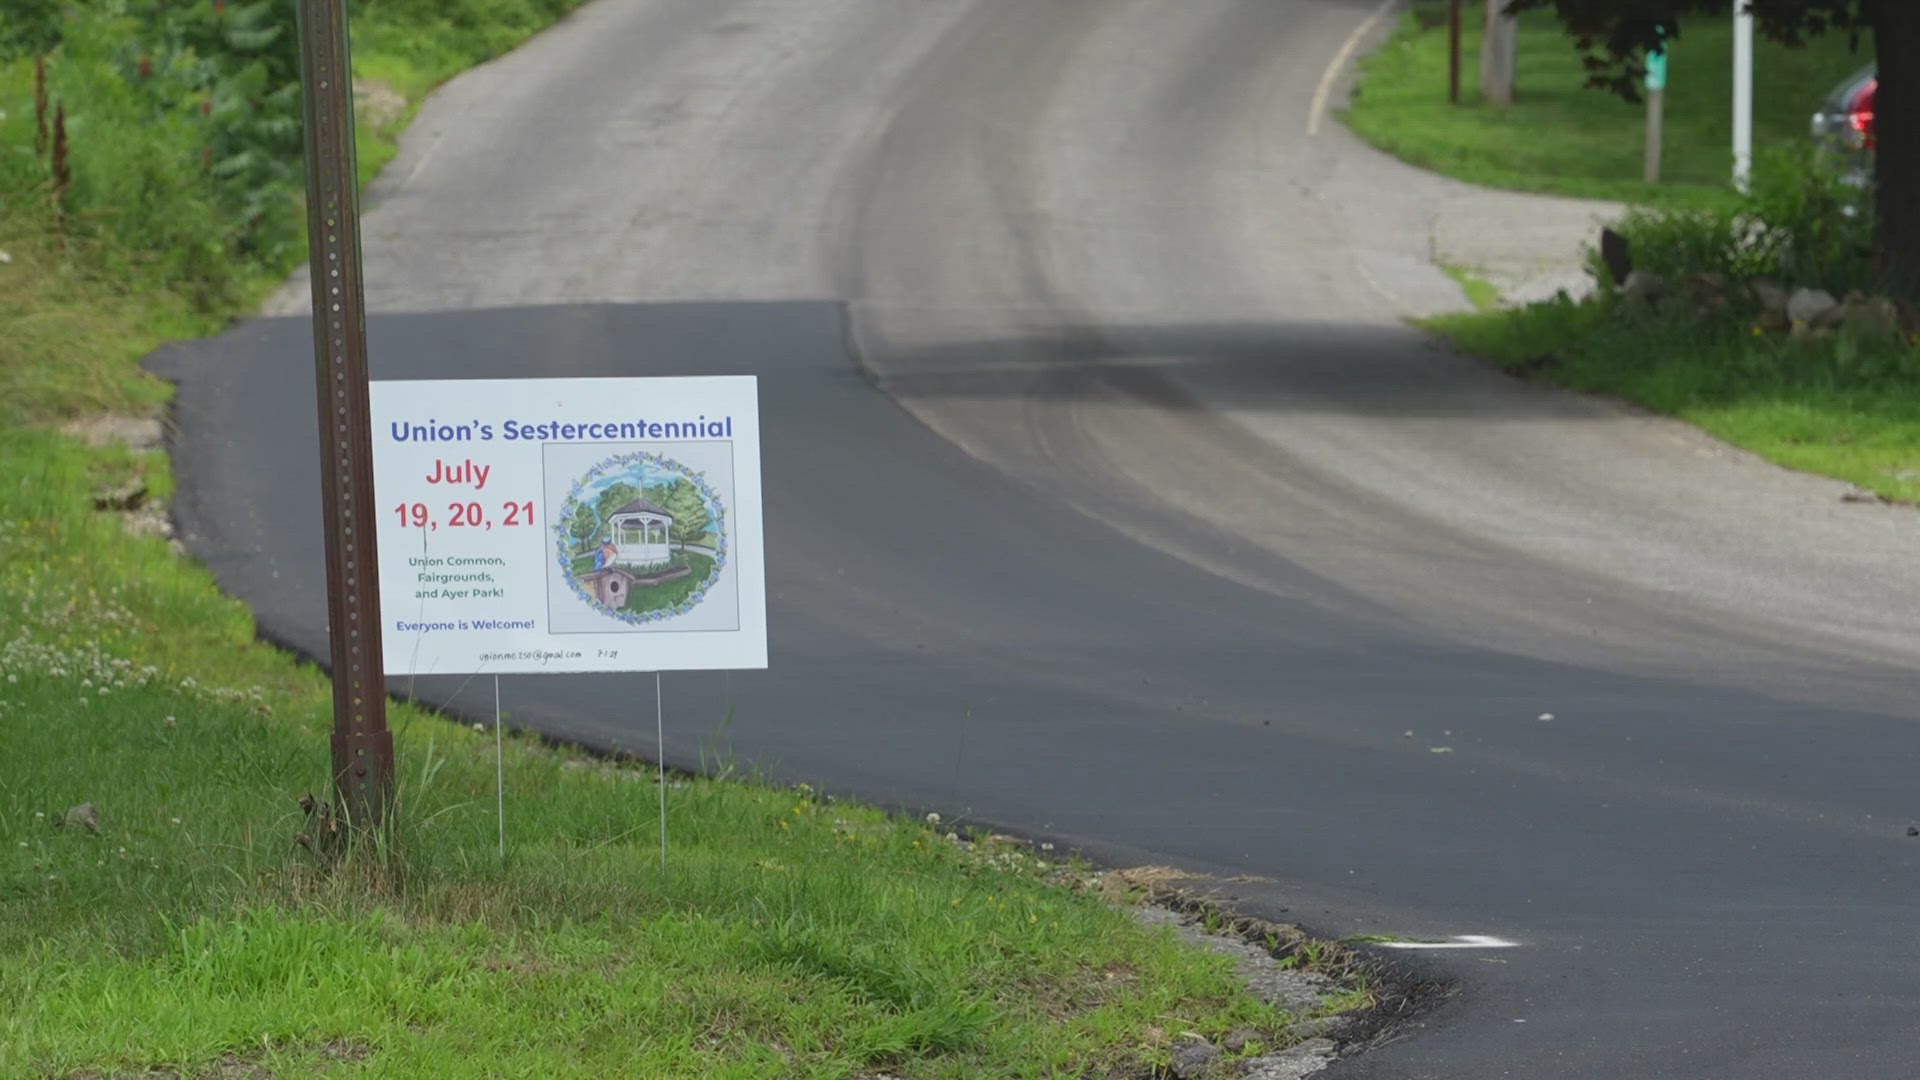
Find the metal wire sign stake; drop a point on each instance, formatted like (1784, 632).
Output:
(572, 528)
(362, 745)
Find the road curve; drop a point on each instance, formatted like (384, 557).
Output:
(1134, 518)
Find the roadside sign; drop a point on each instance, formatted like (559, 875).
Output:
(569, 525)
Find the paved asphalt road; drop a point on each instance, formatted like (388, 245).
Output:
(1108, 501)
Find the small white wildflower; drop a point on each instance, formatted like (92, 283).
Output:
(1046, 847)
(479, 727)
(176, 821)
(933, 819)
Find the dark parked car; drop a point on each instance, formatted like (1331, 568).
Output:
(1844, 126)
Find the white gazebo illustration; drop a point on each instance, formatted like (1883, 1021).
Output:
(640, 530)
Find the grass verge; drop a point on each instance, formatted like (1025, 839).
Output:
(185, 930)
(1561, 138)
(1837, 405)
(1480, 292)
(790, 936)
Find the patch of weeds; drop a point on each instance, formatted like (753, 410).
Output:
(1480, 292)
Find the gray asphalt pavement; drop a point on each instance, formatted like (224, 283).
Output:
(1109, 501)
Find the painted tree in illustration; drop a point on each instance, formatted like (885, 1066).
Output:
(584, 527)
(689, 510)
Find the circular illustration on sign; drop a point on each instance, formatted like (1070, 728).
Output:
(641, 537)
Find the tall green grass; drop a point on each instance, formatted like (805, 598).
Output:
(1836, 405)
(789, 936)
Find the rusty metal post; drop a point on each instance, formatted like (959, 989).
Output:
(1453, 52)
(362, 745)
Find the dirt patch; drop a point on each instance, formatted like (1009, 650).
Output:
(1287, 966)
(108, 429)
(377, 105)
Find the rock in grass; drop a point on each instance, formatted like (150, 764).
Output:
(1643, 287)
(128, 495)
(1192, 1058)
(1873, 317)
(1808, 306)
(1237, 1040)
(1318, 1027)
(1770, 296)
(1292, 1064)
(84, 816)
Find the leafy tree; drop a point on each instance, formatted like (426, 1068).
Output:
(689, 510)
(584, 527)
(29, 27)
(1616, 34)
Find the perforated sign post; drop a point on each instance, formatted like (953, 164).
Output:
(362, 745)
(570, 525)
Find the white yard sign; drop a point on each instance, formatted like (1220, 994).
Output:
(552, 525)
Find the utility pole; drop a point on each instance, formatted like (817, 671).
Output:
(362, 745)
(1742, 94)
(1499, 45)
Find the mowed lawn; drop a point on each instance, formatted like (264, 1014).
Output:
(1561, 137)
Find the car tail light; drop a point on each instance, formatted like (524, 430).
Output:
(1860, 113)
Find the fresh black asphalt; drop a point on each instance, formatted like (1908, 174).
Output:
(1704, 882)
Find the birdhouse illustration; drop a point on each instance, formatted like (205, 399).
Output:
(610, 586)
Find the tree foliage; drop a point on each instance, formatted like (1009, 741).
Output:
(1617, 35)
(584, 526)
(689, 510)
(614, 497)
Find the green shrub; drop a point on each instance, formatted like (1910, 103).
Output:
(1800, 225)
(28, 27)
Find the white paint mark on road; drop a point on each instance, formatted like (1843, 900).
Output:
(1317, 111)
(1461, 941)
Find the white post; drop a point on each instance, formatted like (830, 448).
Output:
(500, 771)
(1742, 94)
(660, 735)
